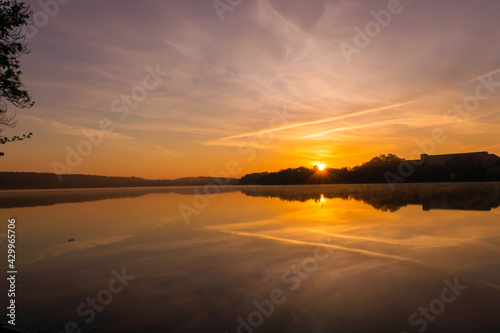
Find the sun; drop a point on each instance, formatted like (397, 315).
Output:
(321, 166)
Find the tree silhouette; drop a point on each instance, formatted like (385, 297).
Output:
(458, 168)
(13, 16)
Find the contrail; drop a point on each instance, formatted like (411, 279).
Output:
(490, 73)
(346, 128)
(336, 247)
(432, 267)
(319, 121)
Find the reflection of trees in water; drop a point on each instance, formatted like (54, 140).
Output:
(463, 196)
(52, 197)
(14, 199)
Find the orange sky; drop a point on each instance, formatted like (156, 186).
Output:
(270, 86)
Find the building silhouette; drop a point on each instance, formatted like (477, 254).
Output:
(482, 158)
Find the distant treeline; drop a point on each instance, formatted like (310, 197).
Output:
(380, 169)
(33, 180)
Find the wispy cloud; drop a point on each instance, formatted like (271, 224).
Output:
(56, 127)
(378, 123)
(319, 121)
(227, 78)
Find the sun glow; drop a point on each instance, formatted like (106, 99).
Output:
(321, 166)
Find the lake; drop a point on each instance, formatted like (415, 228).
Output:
(331, 258)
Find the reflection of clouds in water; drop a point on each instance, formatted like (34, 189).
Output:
(335, 247)
(202, 277)
(422, 241)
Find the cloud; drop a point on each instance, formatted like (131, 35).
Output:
(167, 152)
(319, 121)
(56, 127)
(227, 78)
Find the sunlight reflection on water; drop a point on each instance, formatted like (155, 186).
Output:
(390, 254)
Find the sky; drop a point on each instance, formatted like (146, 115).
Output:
(166, 89)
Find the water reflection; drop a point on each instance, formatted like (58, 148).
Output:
(32, 198)
(373, 269)
(462, 196)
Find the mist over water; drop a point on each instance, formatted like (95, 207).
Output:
(335, 258)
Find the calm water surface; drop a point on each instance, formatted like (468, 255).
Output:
(347, 258)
